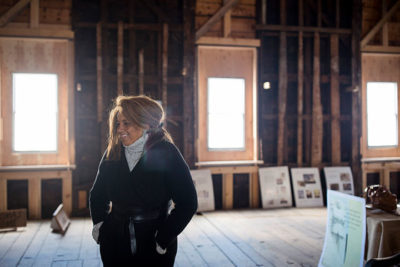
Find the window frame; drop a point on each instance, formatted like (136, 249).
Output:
(378, 68)
(221, 62)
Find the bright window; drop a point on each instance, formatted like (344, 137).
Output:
(382, 126)
(35, 109)
(226, 111)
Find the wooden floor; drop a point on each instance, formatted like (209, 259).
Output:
(282, 237)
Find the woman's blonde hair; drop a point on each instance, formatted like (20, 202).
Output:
(141, 111)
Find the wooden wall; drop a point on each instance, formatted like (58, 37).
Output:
(310, 56)
(309, 52)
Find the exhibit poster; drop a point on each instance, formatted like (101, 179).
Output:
(275, 187)
(339, 179)
(307, 187)
(344, 243)
(204, 187)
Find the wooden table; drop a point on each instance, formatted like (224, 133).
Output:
(383, 234)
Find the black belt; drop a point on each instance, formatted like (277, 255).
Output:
(134, 215)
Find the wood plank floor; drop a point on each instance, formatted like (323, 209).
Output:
(281, 237)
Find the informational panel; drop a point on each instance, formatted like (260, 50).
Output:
(60, 220)
(204, 187)
(307, 187)
(275, 187)
(344, 243)
(339, 179)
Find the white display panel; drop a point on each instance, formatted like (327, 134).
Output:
(339, 179)
(275, 187)
(307, 187)
(204, 187)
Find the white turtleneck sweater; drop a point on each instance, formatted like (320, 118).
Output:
(134, 151)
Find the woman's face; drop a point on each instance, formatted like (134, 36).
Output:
(127, 132)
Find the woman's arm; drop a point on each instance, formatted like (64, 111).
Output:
(98, 198)
(182, 191)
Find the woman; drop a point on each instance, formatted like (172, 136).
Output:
(139, 176)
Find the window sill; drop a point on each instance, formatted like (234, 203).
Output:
(379, 159)
(36, 168)
(228, 163)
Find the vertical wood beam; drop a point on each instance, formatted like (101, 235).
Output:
(141, 71)
(317, 122)
(71, 102)
(385, 35)
(300, 87)
(120, 59)
(283, 12)
(319, 13)
(337, 20)
(3, 194)
(301, 12)
(34, 198)
(132, 47)
(335, 99)
(282, 96)
(227, 22)
(356, 98)
(106, 62)
(263, 11)
(254, 190)
(300, 81)
(227, 190)
(34, 14)
(164, 79)
(189, 103)
(307, 90)
(99, 69)
(66, 191)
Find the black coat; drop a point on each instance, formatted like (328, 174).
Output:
(160, 175)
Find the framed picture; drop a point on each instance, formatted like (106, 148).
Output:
(204, 187)
(339, 179)
(275, 187)
(307, 187)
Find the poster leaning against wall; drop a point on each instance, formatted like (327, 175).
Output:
(275, 187)
(307, 187)
(339, 179)
(204, 187)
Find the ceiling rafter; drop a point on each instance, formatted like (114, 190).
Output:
(379, 25)
(13, 11)
(214, 19)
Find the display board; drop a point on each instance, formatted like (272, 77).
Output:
(344, 243)
(275, 187)
(204, 187)
(339, 179)
(307, 187)
(60, 220)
